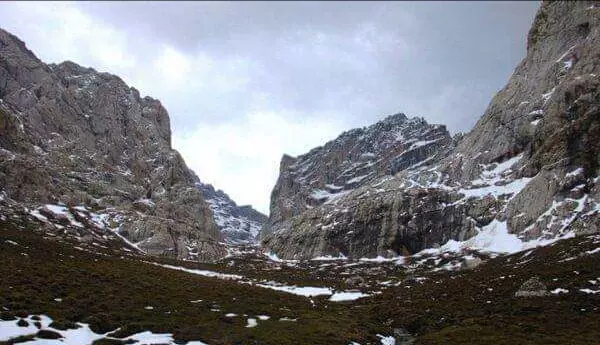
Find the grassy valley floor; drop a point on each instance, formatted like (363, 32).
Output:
(109, 289)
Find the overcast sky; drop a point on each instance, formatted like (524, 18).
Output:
(245, 82)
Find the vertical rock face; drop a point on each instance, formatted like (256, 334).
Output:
(529, 167)
(355, 158)
(549, 115)
(550, 96)
(71, 135)
(238, 224)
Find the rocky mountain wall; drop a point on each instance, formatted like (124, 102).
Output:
(73, 136)
(527, 171)
(238, 224)
(354, 159)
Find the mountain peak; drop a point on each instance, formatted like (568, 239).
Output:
(355, 158)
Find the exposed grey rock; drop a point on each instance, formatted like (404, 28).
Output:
(531, 162)
(238, 224)
(403, 337)
(72, 135)
(355, 281)
(532, 288)
(354, 159)
(470, 263)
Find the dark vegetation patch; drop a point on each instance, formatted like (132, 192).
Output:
(108, 341)
(17, 340)
(47, 334)
(63, 325)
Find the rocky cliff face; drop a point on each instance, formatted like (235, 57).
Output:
(73, 136)
(354, 159)
(238, 224)
(528, 169)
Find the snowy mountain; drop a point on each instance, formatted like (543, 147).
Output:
(238, 224)
(354, 159)
(74, 137)
(528, 171)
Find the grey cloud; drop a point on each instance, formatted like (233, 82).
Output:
(313, 69)
(357, 60)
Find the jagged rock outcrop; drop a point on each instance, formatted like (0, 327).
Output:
(355, 158)
(528, 168)
(238, 224)
(71, 135)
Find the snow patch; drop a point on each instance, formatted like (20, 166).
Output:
(347, 296)
(251, 323)
(204, 273)
(386, 340)
(358, 179)
(330, 258)
(306, 291)
(80, 336)
(546, 97)
(423, 143)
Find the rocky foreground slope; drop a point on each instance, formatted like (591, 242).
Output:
(527, 171)
(90, 145)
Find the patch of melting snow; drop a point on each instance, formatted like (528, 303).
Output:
(575, 172)
(513, 188)
(379, 258)
(306, 291)
(116, 232)
(80, 336)
(205, 273)
(57, 209)
(63, 211)
(347, 296)
(536, 112)
(263, 317)
(558, 291)
(330, 258)
(594, 251)
(548, 95)
(493, 238)
(38, 215)
(273, 257)
(251, 323)
(386, 340)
